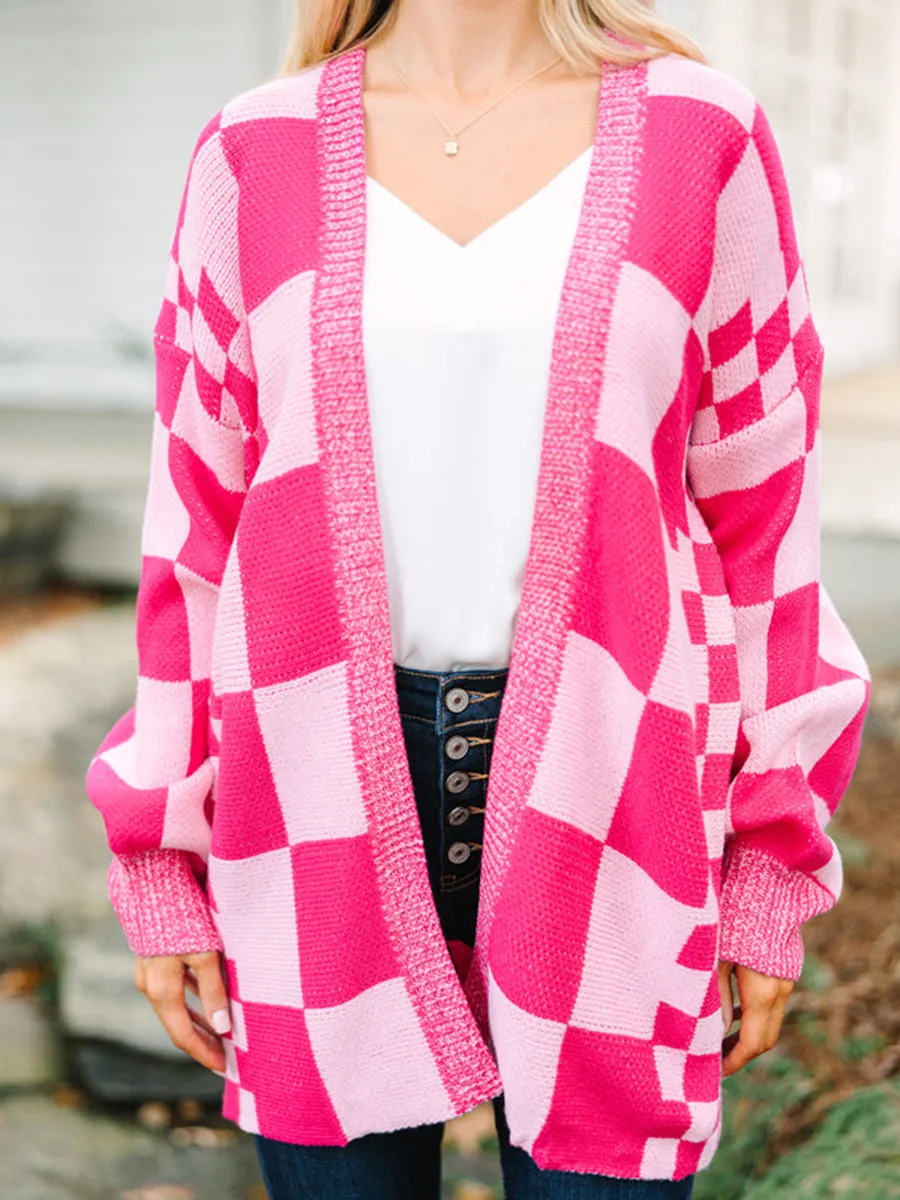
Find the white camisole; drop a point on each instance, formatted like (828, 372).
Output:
(457, 342)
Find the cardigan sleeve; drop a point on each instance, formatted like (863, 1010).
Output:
(152, 777)
(753, 470)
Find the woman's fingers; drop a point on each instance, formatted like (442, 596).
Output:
(729, 1043)
(207, 969)
(190, 982)
(200, 1021)
(753, 1039)
(204, 1047)
(763, 1000)
(726, 995)
(163, 983)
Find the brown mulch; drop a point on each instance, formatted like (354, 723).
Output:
(844, 1025)
(18, 614)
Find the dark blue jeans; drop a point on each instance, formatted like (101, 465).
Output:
(448, 725)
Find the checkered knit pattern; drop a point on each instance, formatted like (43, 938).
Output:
(683, 708)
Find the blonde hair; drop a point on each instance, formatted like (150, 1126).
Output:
(578, 29)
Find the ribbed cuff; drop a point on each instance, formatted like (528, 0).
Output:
(160, 905)
(763, 906)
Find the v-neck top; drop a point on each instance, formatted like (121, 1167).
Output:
(458, 342)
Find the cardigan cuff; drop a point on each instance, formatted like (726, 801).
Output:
(763, 906)
(160, 904)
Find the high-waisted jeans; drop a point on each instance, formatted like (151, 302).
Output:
(448, 722)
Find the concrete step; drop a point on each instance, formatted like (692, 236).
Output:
(101, 459)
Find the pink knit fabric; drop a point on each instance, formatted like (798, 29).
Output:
(683, 707)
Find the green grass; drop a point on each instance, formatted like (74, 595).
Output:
(752, 1098)
(854, 1049)
(854, 1153)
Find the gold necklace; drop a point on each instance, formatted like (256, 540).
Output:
(451, 146)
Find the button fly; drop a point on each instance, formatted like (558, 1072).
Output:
(457, 700)
(458, 853)
(457, 782)
(457, 747)
(458, 816)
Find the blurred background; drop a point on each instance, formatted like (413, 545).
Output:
(102, 102)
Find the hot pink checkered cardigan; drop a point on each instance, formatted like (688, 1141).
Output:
(683, 708)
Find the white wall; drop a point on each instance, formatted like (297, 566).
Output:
(107, 98)
(822, 71)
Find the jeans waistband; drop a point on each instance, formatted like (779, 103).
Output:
(423, 693)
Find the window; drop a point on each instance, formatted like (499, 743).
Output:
(688, 15)
(819, 72)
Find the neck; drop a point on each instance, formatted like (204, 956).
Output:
(467, 46)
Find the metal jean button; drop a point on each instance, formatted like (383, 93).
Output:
(458, 853)
(457, 747)
(457, 782)
(457, 700)
(458, 816)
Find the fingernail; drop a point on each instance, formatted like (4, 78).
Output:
(221, 1021)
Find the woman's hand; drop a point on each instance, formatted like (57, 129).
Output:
(163, 982)
(761, 1012)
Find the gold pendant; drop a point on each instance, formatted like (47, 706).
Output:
(451, 148)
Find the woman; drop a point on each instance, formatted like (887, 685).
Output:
(485, 372)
